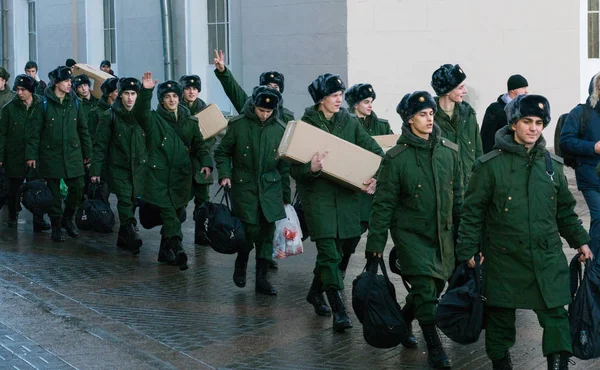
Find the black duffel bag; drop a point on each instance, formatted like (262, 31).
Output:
(297, 204)
(150, 214)
(584, 311)
(459, 314)
(35, 195)
(224, 232)
(376, 307)
(95, 212)
(202, 215)
(3, 187)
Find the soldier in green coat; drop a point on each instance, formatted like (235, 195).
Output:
(519, 195)
(16, 120)
(81, 86)
(418, 198)
(332, 211)
(360, 99)
(260, 184)
(60, 146)
(191, 87)
(109, 96)
(120, 153)
(6, 95)
(175, 149)
(238, 96)
(455, 116)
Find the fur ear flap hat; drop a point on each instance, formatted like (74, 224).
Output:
(266, 97)
(59, 74)
(325, 85)
(358, 93)
(27, 82)
(167, 87)
(272, 77)
(528, 106)
(190, 81)
(412, 104)
(447, 78)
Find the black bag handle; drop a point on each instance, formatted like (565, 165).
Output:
(34, 171)
(549, 169)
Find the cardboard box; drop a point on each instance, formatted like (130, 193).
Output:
(96, 75)
(346, 163)
(386, 142)
(211, 121)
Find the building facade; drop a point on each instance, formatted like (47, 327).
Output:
(394, 45)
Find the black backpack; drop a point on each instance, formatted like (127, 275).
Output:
(3, 187)
(376, 307)
(459, 314)
(223, 231)
(300, 213)
(150, 214)
(95, 212)
(570, 159)
(35, 194)
(584, 311)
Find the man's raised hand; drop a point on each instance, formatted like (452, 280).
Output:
(147, 81)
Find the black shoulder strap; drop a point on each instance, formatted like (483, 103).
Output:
(584, 119)
(549, 169)
(113, 119)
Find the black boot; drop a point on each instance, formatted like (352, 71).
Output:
(558, 361)
(165, 255)
(57, 234)
(12, 219)
(127, 239)
(315, 297)
(175, 246)
(435, 352)
(67, 223)
(39, 224)
(263, 286)
(239, 272)
(505, 363)
(273, 265)
(341, 321)
(344, 264)
(408, 314)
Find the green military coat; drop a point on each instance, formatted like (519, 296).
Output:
(96, 113)
(524, 212)
(61, 141)
(88, 104)
(463, 130)
(418, 198)
(171, 161)
(120, 152)
(16, 122)
(331, 210)
(6, 96)
(375, 126)
(195, 108)
(238, 96)
(247, 155)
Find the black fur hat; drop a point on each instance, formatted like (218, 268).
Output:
(4, 73)
(447, 78)
(60, 73)
(25, 81)
(167, 87)
(70, 62)
(412, 104)
(266, 97)
(358, 93)
(528, 106)
(272, 77)
(129, 83)
(325, 85)
(190, 81)
(81, 80)
(109, 85)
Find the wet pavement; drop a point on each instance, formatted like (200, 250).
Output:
(85, 304)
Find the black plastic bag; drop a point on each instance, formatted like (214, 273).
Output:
(584, 311)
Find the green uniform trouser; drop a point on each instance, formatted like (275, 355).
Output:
(261, 237)
(500, 330)
(201, 192)
(329, 255)
(423, 297)
(171, 224)
(126, 209)
(74, 195)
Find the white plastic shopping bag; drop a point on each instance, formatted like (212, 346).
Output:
(287, 240)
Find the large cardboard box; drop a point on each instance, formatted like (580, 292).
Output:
(211, 121)
(346, 163)
(386, 142)
(96, 75)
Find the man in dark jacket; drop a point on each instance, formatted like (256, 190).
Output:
(60, 146)
(580, 137)
(31, 69)
(6, 94)
(495, 117)
(106, 67)
(120, 152)
(332, 211)
(260, 183)
(519, 195)
(81, 86)
(109, 96)
(16, 120)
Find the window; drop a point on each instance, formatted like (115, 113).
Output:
(592, 27)
(218, 28)
(32, 30)
(110, 45)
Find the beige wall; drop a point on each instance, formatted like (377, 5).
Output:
(396, 45)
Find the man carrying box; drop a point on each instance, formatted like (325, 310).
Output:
(260, 184)
(331, 210)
